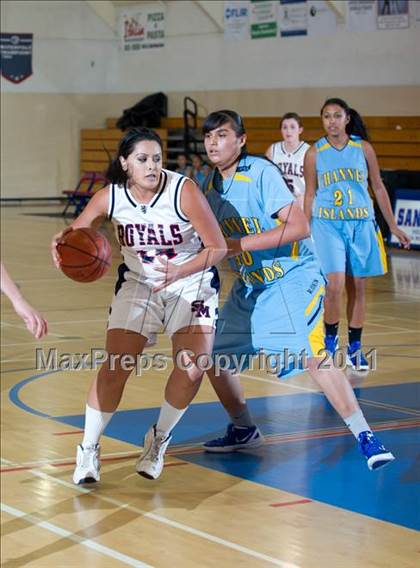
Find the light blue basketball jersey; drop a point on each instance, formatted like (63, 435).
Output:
(342, 193)
(247, 204)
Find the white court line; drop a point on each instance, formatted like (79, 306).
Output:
(103, 320)
(367, 402)
(45, 342)
(147, 350)
(58, 278)
(169, 522)
(4, 461)
(395, 301)
(386, 325)
(371, 317)
(16, 360)
(110, 552)
(23, 328)
(280, 383)
(391, 332)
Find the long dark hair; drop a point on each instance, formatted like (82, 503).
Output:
(115, 173)
(355, 125)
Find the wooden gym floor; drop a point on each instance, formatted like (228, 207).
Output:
(306, 499)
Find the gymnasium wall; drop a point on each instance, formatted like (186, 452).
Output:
(81, 77)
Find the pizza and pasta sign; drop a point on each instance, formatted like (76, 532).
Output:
(142, 28)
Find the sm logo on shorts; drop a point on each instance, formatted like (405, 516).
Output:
(200, 309)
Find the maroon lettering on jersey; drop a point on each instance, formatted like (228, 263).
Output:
(120, 231)
(140, 228)
(151, 236)
(161, 232)
(176, 234)
(129, 235)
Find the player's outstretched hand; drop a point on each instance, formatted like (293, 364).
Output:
(34, 321)
(170, 273)
(403, 238)
(56, 240)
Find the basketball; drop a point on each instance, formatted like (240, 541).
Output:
(85, 255)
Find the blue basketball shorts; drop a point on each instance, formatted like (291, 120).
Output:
(353, 247)
(273, 326)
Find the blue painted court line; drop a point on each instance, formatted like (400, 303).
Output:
(274, 415)
(14, 394)
(329, 470)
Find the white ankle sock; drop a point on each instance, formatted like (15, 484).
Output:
(243, 419)
(356, 422)
(95, 423)
(169, 417)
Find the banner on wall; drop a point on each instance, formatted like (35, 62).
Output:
(16, 56)
(393, 14)
(142, 28)
(263, 19)
(321, 19)
(236, 19)
(361, 16)
(293, 18)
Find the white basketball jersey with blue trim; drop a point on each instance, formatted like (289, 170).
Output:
(291, 165)
(158, 228)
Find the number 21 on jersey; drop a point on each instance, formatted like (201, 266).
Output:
(338, 197)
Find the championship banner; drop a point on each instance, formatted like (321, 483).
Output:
(407, 214)
(142, 28)
(16, 56)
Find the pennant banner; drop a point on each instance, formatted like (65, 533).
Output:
(16, 56)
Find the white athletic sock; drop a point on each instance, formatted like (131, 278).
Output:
(168, 418)
(243, 419)
(95, 423)
(356, 422)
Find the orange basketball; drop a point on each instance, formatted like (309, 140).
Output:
(85, 255)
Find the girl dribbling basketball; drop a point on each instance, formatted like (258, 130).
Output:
(170, 241)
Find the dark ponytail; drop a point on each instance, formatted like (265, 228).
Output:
(355, 125)
(115, 173)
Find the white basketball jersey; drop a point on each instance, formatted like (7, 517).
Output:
(291, 165)
(158, 228)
